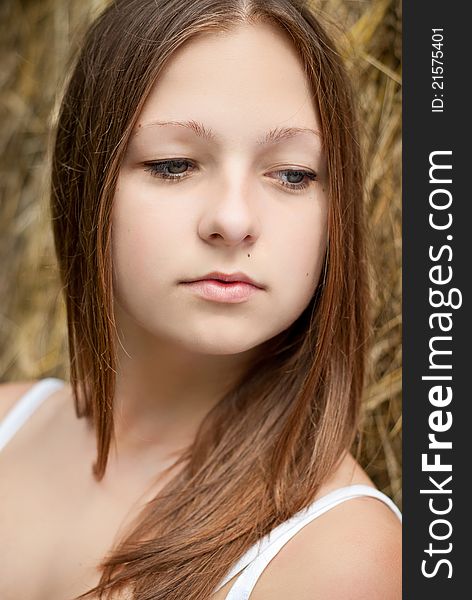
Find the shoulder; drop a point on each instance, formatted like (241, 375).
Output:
(10, 393)
(352, 551)
(357, 550)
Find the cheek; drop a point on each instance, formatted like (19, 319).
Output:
(141, 243)
(301, 254)
(132, 248)
(147, 229)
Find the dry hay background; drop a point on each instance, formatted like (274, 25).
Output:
(36, 38)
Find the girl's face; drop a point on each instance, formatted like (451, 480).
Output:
(224, 172)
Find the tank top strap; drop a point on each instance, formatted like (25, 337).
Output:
(254, 561)
(22, 410)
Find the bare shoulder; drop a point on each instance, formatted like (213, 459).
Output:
(10, 392)
(357, 550)
(353, 551)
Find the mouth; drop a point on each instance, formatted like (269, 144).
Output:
(222, 287)
(227, 278)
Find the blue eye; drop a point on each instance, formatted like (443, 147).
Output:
(173, 170)
(297, 179)
(177, 169)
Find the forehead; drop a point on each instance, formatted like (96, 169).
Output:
(250, 78)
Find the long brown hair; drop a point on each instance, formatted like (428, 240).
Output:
(262, 452)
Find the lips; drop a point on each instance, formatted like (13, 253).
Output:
(227, 278)
(217, 291)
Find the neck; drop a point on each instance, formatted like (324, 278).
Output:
(164, 391)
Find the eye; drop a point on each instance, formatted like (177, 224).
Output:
(295, 179)
(173, 170)
(177, 169)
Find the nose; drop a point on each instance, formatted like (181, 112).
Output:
(230, 215)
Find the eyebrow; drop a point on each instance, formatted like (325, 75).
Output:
(271, 137)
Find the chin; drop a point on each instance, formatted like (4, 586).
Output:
(220, 343)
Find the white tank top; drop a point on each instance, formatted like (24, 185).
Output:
(254, 561)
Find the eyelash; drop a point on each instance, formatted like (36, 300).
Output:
(156, 169)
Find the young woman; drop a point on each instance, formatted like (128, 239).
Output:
(208, 220)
